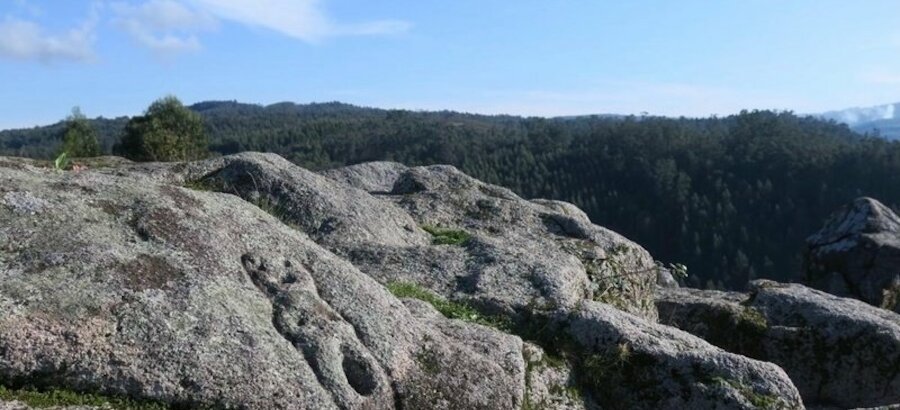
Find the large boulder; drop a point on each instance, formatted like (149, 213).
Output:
(116, 283)
(513, 254)
(248, 282)
(857, 254)
(631, 363)
(839, 352)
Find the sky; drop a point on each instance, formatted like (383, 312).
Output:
(525, 57)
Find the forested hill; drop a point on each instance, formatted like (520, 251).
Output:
(732, 198)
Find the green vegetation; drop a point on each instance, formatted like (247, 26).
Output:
(751, 321)
(62, 161)
(276, 209)
(758, 400)
(890, 297)
(615, 278)
(80, 139)
(200, 185)
(445, 236)
(597, 369)
(679, 271)
(166, 132)
(51, 398)
(731, 197)
(450, 309)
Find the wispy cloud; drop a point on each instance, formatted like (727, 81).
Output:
(301, 19)
(164, 26)
(169, 27)
(25, 40)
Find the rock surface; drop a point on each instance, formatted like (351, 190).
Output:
(674, 369)
(857, 254)
(124, 285)
(839, 352)
(247, 282)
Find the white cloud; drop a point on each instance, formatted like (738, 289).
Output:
(164, 26)
(173, 26)
(301, 19)
(27, 41)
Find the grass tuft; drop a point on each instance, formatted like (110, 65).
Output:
(446, 236)
(52, 398)
(200, 185)
(758, 400)
(450, 309)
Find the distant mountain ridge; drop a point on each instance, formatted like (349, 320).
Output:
(881, 119)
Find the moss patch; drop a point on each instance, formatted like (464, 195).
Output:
(200, 185)
(890, 298)
(51, 398)
(758, 400)
(446, 236)
(752, 322)
(450, 309)
(608, 374)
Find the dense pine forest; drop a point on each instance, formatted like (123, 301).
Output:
(732, 198)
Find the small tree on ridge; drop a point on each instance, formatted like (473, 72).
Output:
(80, 139)
(167, 131)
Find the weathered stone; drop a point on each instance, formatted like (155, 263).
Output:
(135, 286)
(552, 384)
(520, 254)
(631, 363)
(260, 287)
(838, 351)
(857, 254)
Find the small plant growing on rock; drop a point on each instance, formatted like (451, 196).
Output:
(678, 271)
(446, 236)
(200, 185)
(61, 162)
(53, 398)
(758, 400)
(450, 309)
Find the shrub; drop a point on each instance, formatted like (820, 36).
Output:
(167, 131)
(80, 139)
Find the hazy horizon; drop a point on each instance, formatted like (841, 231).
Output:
(692, 58)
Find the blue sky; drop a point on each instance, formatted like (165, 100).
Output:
(692, 58)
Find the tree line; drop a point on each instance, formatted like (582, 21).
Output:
(732, 198)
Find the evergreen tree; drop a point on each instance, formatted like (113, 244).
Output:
(166, 132)
(80, 139)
